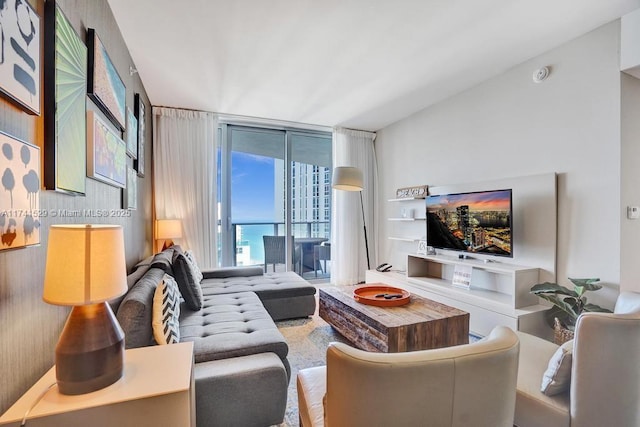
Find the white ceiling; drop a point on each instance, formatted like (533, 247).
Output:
(361, 64)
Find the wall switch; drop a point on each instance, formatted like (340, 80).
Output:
(633, 212)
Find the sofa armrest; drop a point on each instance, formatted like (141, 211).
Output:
(219, 273)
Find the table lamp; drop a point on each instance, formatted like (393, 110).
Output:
(348, 178)
(168, 229)
(85, 268)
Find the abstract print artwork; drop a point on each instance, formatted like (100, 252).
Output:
(105, 85)
(107, 160)
(65, 81)
(132, 135)
(140, 111)
(20, 53)
(130, 194)
(20, 193)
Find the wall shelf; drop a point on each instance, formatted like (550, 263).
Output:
(404, 239)
(413, 205)
(405, 199)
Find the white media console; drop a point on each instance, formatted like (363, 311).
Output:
(498, 292)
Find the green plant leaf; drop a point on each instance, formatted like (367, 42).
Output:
(586, 284)
(596, 308)
(566, 307)
(551, 288)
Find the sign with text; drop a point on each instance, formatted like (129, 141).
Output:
(462, 276)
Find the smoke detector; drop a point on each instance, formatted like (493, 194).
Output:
(541, 74)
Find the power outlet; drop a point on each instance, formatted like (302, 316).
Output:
(633, 212)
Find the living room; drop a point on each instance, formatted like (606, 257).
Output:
(579, 124)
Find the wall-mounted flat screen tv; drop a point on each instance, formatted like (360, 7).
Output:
(478, 222)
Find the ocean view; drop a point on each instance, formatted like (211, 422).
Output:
(250, 236)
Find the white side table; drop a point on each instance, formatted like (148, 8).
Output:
(156, 389)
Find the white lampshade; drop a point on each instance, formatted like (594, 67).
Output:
(168, 229)
(85, 264)
(347, 178)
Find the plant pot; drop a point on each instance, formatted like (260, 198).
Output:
(561, 334)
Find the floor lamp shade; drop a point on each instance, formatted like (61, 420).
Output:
(85, 268)
(349, 178)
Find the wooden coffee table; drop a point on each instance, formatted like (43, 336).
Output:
(420, 325)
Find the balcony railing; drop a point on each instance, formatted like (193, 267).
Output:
(249, 235)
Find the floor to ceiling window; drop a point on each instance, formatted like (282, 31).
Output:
(274, 182)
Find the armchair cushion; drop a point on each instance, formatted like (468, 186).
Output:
(557, 378)
(534, 408)
(627, 303)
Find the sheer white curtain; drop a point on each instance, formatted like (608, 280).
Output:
(348, 255)
(184, 154)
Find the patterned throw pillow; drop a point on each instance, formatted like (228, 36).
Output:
(194, 265)
(188, 283)
(166, 312)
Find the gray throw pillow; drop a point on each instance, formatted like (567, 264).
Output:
(188, 283)
(557, 377)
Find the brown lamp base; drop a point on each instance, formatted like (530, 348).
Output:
(90, 352)
(167, 244)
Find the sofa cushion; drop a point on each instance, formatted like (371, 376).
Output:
(133, 277)
(557, 378)
(188, 283)
(229, 326)
(224, 272)
(163, 260)
(134, 313)
(166, 312)
(267, 286)
(194, 265)
(145, 263)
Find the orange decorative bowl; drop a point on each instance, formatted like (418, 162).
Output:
(381, 295)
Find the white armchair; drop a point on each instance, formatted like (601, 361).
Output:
(472, 384)
(605, 373)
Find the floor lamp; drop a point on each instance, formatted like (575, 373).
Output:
(348, 178)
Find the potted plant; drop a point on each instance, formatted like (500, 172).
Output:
(568, 304)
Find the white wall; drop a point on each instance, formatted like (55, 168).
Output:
(509, 127)
(630, 183)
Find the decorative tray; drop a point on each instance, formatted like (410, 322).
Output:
(381, 295)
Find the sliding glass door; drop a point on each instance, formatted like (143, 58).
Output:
(274, 182)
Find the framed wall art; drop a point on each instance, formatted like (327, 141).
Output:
(20, 52)
(140, 115)
(65, 89)
(107, 161)
(20, 198)
(130, 194)
(105, 86)
(132, 134)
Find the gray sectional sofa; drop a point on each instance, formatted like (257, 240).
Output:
(241, 369)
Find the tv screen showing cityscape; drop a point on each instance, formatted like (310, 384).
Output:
(478, 222)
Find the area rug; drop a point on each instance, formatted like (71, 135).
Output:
(308, 340)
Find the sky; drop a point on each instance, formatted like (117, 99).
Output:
(252, 181)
